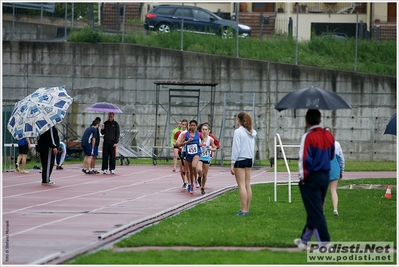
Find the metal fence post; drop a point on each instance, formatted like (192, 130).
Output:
(261, 25)
(123, 23)
(66, 17)
(357, 38)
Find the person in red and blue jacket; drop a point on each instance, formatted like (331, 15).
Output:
(315, 154)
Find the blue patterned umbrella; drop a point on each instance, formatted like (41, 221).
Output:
(38, 112)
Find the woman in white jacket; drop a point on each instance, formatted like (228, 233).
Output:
(242, 159)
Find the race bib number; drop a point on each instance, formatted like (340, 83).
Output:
(192, 149)
(205, 152)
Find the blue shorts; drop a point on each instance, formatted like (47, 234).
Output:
(87, 150)
(190, 158)
(246, 163)
(95, 152)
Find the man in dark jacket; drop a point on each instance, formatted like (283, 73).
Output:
(48, 144)
(315, 154)
(111, 132)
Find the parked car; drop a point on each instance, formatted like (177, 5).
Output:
(343, 37)
(165, 18)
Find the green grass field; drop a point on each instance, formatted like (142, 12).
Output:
(365, 215)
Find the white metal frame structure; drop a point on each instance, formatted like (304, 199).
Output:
(281, 146)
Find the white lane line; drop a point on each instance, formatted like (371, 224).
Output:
(65, 186)
(95, 210)
(83, 195)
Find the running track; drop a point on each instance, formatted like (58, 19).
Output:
(51, 224)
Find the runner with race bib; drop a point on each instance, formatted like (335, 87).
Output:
(191, 140)
(207, 146)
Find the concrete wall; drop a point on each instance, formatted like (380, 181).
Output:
(124, 74)
(28, 31)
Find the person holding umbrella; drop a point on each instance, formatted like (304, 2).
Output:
(315, 154)
(111, 131)
(47, 146)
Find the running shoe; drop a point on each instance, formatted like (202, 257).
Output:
(300, 244)
(202, 191)
(242, 213)
(89, 172)
(196, 184)
(104, 171)
(49, 183)
(199, 180)
(184, 186)
(24, 171)
(112, 172)
(188, 188)
(336, 213)
(17, 167)
(192, 190)
(83, 170)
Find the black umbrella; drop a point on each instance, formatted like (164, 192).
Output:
(312, 98)
(391, 126)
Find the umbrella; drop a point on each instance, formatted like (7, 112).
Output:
(391, 126)
(104, 107)
(38, 112)
(312, 98)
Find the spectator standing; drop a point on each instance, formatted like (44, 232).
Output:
(174, 146)
(96, 145)
(337, 168)
(88, 142)
(315, 154)
(242, 159)
(23, 147)
(47, 146)
(60, 157)
(111, 131)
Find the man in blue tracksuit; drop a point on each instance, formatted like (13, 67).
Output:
(315, 154)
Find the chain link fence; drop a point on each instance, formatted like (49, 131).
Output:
(127, 17)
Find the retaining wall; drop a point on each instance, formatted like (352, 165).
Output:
(124, 74)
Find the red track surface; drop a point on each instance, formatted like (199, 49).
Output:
(51, 224)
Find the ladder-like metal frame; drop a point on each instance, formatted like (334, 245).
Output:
(176, 95)
(185, 91)
(232, 105)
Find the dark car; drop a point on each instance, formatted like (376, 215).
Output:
(164, 18)
(336, 35)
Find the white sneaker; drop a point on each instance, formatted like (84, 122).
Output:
(112, 172)
(301, 245)
(297, 241)
(49, 183)
(105, 172)
(336, 213)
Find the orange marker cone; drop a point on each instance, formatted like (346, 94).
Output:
(388, 192)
